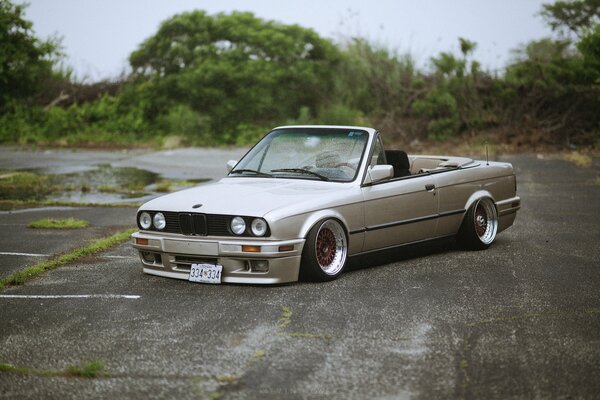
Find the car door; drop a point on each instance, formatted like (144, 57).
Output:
(399, 211)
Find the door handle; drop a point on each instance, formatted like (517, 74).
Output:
(429, 187)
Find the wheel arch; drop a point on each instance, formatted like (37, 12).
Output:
(321, 215)
(478, 195)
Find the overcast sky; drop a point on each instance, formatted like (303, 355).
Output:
(98, 35)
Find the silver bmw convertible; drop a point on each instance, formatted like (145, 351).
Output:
(305, 199)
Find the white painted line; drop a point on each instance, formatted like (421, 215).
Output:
(70, 296)
(8, 253)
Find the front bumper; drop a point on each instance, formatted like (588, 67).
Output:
(171, 256)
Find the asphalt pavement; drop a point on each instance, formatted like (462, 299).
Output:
(519, 320)
(21, 246)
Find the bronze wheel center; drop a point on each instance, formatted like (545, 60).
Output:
(326, 247)
(481, 221)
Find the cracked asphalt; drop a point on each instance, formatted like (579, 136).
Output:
(519, 320)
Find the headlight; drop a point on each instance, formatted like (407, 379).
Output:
(238, 225)
(145, 220)
(259, 227)
(159, 221)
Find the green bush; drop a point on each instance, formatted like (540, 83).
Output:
(440, 108)
(339, 114)
(226, 79)
(182, 120)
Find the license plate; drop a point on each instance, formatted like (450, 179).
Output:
(206, 273)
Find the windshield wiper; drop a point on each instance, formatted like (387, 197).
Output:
(301, 171)
(252, 171)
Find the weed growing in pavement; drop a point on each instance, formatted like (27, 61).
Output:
(20, 277)
(90, 370)
(286, 319)
(167, 185)
(53, 223)
(581, 160)
(24, 185)
(215, 395)
(93, 369)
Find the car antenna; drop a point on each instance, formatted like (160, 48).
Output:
(487, 159)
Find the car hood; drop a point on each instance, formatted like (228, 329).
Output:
(251, 196)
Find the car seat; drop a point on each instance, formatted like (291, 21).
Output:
(399, 160)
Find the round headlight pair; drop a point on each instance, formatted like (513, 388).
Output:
(146, 221)
(258, 226)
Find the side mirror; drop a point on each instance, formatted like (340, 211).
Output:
(230, 165)
(378, 173)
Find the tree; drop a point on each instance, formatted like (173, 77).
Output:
(554, 80)
(576, 16)
(589, 47)
(25, 61)
(234, 68)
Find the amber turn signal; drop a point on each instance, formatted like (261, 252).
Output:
(250, 249)
(286, 248)
(143, 242)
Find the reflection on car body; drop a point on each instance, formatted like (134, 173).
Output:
(305, 199)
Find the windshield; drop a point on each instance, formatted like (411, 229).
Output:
(306, 153)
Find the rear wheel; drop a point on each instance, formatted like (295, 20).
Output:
(325, 251)
(480, 225)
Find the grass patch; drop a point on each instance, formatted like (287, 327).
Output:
(109, 189)
(24, 185)
(131, 191)
(286, 317)
(20, 277)
(91, 370)
(285, 320)
(166, 185)
(227, 378)
(8, 205)
(215, 395)
(163, 186)
(53, 223)
(581, 160)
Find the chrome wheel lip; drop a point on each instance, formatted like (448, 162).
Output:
(341, 247)
(485, 221)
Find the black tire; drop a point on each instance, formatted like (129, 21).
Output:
(480, 225)
(320, 260)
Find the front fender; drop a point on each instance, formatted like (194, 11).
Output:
(298, 226)
(320, 215)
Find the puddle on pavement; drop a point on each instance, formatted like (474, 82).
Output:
(107, 176)
(107, 184)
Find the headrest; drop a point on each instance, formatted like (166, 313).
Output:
(397, 158)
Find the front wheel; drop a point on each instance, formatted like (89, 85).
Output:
(325, 251)
(480, 225)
